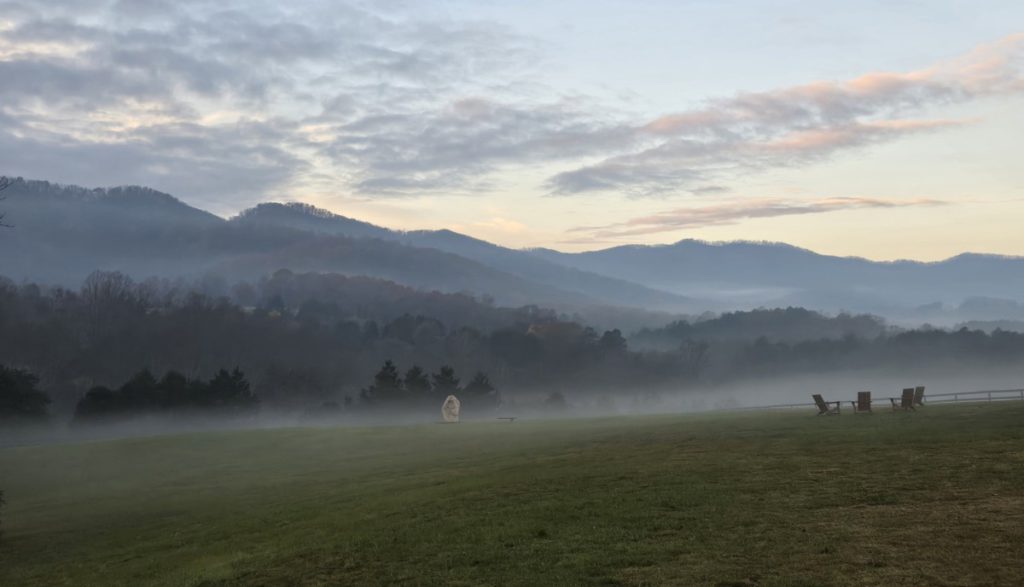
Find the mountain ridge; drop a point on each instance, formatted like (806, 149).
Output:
(64, 233)
(126, 227)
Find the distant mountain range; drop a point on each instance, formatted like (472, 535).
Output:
(62, 233)
(775, 274)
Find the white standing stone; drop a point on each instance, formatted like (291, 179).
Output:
(450, 409)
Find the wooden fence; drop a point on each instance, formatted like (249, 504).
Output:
(988, 395)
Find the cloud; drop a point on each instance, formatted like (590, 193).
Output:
(452, 148)
(796, 125)
(222, 100)
(225, 100)
(230, 164)
(736, 211)
(456, 145)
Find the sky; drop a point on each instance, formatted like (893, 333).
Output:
(882, 129)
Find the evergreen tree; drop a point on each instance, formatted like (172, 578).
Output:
(19, 397)
(445, 382)
(387, 385)
(417, 385)
(481, 394)
(230, 391)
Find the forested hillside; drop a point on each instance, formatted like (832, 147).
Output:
(307, 339)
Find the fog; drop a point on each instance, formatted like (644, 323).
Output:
(791, 393)
(125, 312)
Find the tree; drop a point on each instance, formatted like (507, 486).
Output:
(556, 402)
(518, 349)
(226, 392)
(140, 392)
(481, 394)
(98, 402)
(174, 390)
(229, 391)
(445, 382)
(694, 357)
(612, 341)
(19, 397)
(4, 184)
(417, 385)
(387, 385)
(111, 301)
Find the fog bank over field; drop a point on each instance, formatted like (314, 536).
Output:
(568, 404)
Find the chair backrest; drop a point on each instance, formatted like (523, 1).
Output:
(907, 399)
(919, 395)
(820, 402)
(863, 401)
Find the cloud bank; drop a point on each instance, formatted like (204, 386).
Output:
(232, 103)
(796, 125)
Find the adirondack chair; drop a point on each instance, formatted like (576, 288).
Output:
(863, 403)
(919, 395)
(905, 401)
(825, 408)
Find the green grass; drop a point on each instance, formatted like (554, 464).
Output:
(930, 498)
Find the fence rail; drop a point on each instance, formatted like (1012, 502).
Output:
(989, 395)
(773, 407)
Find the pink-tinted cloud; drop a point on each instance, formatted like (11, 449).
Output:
(795, 125)
(733, 212)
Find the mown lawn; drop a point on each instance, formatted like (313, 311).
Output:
(930, 498)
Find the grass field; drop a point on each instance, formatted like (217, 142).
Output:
(930, 498)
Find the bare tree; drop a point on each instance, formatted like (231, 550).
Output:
(5, 183)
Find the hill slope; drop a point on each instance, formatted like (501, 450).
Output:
(63, 233)
(753, 274)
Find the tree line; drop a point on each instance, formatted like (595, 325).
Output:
(417, 388)
(229, 394)
(304, 340)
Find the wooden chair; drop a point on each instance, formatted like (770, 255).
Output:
(825, 408)
(906, 401)
(919, 395)
(863, 403)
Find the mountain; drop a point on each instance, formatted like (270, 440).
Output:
(63, 233)
(60, 231)
(309, 218)
(774, 274)
(608, 290)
